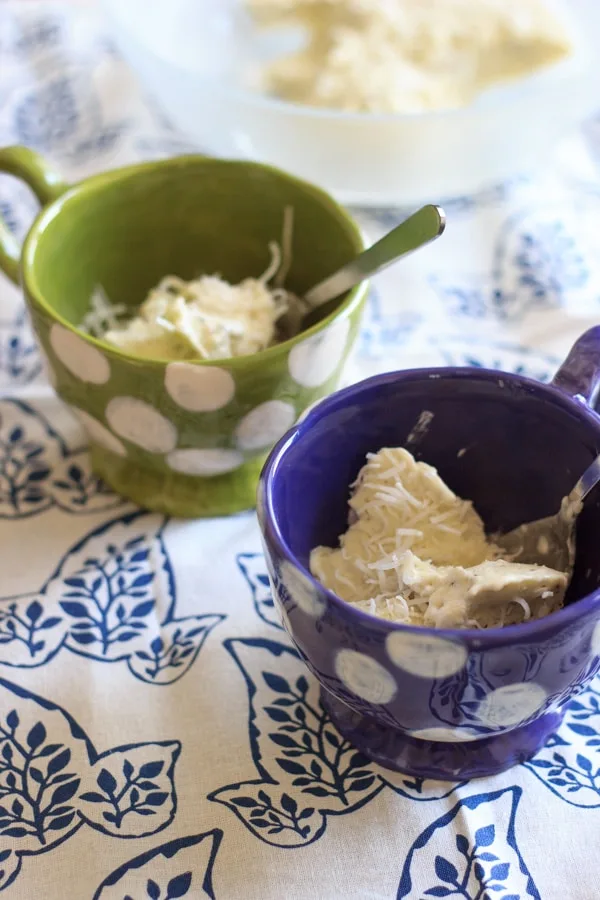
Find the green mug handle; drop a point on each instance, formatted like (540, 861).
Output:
(45, 183)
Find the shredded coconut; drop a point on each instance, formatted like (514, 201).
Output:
(525, 606)
(102, 315)
(418, 554)
(206, 318)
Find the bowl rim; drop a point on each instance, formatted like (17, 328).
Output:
(94, 184)
(476, 637)
(501, 94)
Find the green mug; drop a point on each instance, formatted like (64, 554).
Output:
(185, 438)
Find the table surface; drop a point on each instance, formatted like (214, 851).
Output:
(158, 764)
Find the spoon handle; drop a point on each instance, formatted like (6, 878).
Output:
(423, 226)
(588, 481)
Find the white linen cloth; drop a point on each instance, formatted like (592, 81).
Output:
(151, 760)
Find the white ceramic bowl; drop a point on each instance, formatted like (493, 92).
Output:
(190, 53)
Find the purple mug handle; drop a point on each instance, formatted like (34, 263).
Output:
(579, 375)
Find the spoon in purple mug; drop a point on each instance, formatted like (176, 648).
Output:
(551, 541)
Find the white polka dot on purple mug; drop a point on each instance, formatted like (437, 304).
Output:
(447, 735)
(365, 677)
(301, 591)
(511, 704)
(425, 655)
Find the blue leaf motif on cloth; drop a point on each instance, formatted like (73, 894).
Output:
(549, 262)
(388, 217)
(18, 207)
(10, 219)
(447, 860)
(20, 361)
(112, 598)
(131, 790)
(185, 869)
(164, 145)
(38, 471)
(50, 772)
(569, 764)
(62, 115)
(48, 115)
(315, 773)
(382, 329)
(28, 625)
(538, 260)
(501, 355)
(252, 566)
(542, 261)
(36, 33)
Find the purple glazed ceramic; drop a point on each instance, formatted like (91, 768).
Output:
(433, 703)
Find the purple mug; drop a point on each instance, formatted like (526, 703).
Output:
(448, 704)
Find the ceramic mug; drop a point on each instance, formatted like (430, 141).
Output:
(447, 704)
(185, 438)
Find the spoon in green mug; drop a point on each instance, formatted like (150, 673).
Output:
(424, 226)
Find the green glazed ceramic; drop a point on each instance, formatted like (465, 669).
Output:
(188, 439)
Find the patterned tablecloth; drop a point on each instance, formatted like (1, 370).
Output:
(159, 737)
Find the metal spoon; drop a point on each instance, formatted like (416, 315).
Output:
(422, 227)
(551, 541)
